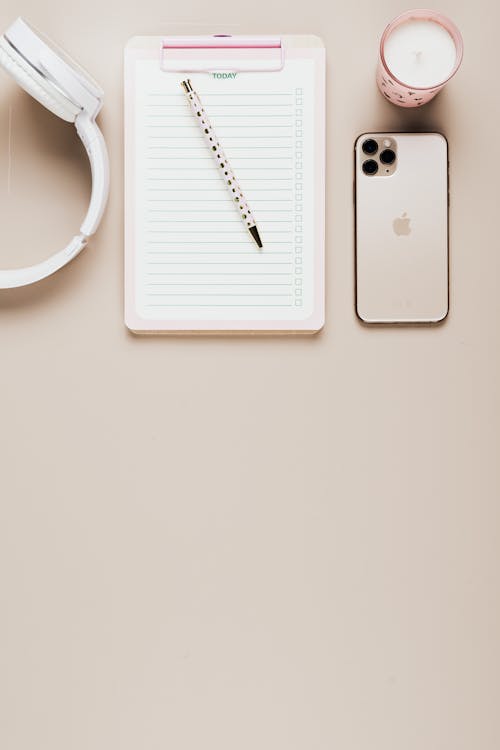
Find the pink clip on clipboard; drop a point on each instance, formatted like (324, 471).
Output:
(189, 264)
(222, 52)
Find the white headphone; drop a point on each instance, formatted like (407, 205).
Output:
(57, 82)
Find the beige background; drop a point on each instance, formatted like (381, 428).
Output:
(248, 543)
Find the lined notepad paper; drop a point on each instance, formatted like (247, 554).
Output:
(194, 259)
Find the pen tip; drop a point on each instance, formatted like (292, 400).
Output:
(255, 234)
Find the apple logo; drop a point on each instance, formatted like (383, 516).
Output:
(401, 225)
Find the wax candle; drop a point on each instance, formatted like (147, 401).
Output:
(419, 52)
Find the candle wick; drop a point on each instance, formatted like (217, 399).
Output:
(418, 55)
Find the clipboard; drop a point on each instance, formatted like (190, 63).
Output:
(189, 264)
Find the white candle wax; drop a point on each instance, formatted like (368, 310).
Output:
(420, 53)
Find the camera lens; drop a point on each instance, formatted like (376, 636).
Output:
(370, 167)
(388, 156)
(370, 147)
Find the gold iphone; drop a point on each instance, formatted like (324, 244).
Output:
(401, 198)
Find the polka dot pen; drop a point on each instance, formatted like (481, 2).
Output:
(225, 170)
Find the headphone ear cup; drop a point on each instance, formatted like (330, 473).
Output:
(35, 84)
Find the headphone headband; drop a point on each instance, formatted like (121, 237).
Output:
(63, 88)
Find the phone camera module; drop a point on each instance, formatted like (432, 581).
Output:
(370, 167)
(370, 147)
(388, 156)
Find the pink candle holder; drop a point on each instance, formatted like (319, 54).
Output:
(391, 82)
